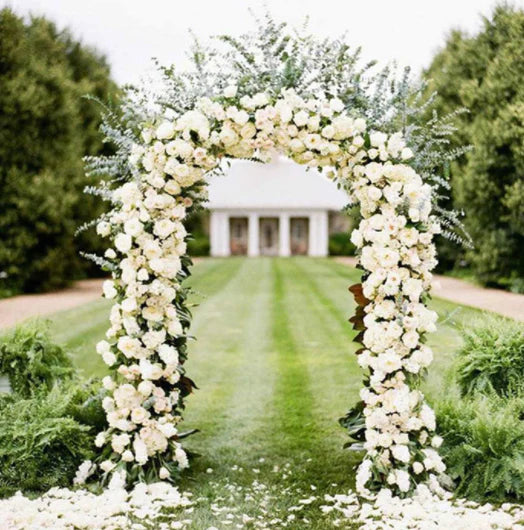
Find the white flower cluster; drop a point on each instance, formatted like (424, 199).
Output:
(146, 342)
(61, 508)
(397, 255)
(425, 510)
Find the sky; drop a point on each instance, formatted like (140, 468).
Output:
(131, 32)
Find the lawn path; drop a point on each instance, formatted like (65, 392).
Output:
(274, 360)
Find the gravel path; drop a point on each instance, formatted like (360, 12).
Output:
(18, 308)
(465, 293)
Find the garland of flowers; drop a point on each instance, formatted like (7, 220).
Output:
(147, 341)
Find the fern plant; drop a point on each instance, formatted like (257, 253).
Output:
(31, 360)
(484, 445)
(44, 438)
(492, 357)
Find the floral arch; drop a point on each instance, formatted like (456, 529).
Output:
(308, 101)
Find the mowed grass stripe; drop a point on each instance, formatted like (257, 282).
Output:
(230, 363)
(293, 423)
(323, 339)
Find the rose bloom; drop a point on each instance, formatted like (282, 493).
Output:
(139, 415)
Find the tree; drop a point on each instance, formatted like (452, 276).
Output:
(46, 127)
(484, 73)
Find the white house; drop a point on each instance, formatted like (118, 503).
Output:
(273, 209)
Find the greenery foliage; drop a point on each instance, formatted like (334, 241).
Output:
(484, 445)
(46, 127)
(48, 423)
(492, 358)
(44, 438)
(484, 73)
(483, 430)
(32, 361)
(273, 58)
(340, 245)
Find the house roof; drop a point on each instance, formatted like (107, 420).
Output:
(280, 183)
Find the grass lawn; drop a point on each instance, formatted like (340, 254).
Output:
(275, 365)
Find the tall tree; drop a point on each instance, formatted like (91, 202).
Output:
(46, 127)
(485, 73)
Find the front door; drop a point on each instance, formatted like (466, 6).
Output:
(299, 235)
(268, 236)
(238, 236)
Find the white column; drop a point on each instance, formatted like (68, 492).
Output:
(252, 244)
(219, 232)
(323, 236)
(312, 235)
(318, 234)
(283, 231)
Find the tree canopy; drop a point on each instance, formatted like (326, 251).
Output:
(484, 73)
(46, 127)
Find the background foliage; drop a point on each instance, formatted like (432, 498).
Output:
(46, 127)
(484, 73)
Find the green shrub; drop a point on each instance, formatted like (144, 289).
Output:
(43, 439)
(199, 245)
(46, 127)
(31, 360)
(483, 72)
(484, 445)
(340, 245)
(492, 357)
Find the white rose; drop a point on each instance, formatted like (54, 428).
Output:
(127, 456)
(103, 228)
(389, 362)
(164, 228)
(403, 480)
(360, 124)
(378, 139)
(168, 354)
(248, 130)
(100, 439)
(139, 415)
(128, 305)
(107, 466)
(152, 313)
(102, 347)
(150, 370)
(401, 453)
(175, 328)
(336, 105)
(296, 145)
(123, 242)
(145, 388)
(301, 118)
(230, 91)
(356, 238)
(228, 137)
(172, 187)
(165, 130)
(410, 339)
(108, 383)
(133, 227)
(109, 358)
(163, 473)
(418, 467)
(108, 287)
(406, 153)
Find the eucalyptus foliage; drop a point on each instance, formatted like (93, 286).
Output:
(275, 57)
